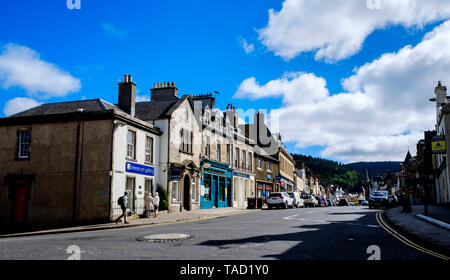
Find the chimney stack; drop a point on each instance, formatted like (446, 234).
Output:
(164, 91)
(127, 95)
(232, 115)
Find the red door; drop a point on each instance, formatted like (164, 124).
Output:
(20, 204)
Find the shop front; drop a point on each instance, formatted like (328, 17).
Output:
(243, 188)
(286, 185)
(138, 181)
(263, 189)
(216, 185)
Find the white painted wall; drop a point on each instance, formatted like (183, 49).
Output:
(119, 174)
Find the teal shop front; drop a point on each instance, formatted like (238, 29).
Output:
(216, 186)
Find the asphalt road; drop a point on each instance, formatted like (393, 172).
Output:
(331, 233)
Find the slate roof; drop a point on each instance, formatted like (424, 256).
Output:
(144, 110)
(153, 110)
(93, 105)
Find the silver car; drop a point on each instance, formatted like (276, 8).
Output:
(280, 200)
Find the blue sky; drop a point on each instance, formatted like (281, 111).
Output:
(197, 44)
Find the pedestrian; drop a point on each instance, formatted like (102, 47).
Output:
(156, 203)
(122, 201)
(406, 206)
(149, 205)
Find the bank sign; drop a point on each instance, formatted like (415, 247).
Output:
(140, 169)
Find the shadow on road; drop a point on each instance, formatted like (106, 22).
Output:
(344, 239)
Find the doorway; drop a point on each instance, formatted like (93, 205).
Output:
(20, 202)
(187, 193)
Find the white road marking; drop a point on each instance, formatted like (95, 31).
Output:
(291, 217)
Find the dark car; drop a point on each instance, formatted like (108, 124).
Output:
(379, 199)
(343, 202)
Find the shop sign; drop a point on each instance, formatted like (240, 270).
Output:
(438, 145)
(140, 169)
(175, 174)
(241, 175)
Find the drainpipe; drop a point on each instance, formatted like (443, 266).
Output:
(75, 177)
(78, 174)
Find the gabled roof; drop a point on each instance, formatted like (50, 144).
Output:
(153, 110)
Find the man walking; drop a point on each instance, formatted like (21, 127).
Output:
(122, 201)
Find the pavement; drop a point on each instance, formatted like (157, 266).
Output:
(426, 231)
(163, 218)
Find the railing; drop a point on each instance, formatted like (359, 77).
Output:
(117, 210)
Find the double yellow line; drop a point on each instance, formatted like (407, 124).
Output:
(386, 227)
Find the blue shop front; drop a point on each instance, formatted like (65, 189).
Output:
(216, 185)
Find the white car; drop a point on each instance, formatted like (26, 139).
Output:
(298, 201)
(310, 200)
(280, 199)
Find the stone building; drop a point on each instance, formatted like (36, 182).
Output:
(67, 163)
(266, 156)
(227, 157)
(285, 177)
(442, 177)
(180, 144)
(300, 178)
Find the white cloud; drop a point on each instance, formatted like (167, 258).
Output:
(248, 48)
(22, 67)
(336, 29)
(142, 98)
(19, 104)
(112, 30)
(383, 111)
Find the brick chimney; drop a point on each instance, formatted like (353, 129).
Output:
(164, 91)
(127, 95)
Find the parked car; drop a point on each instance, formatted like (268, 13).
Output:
(379, 199)
(343, 202)
(280, 199)
(310, 201)
(298, 201)
(329, 203)
(364, 203)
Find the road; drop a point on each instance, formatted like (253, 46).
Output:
(331, 233)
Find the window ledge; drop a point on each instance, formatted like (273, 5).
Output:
(188, 153)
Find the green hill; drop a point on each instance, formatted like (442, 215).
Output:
(331, 172)
(375, 168)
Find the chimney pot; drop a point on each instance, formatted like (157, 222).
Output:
(130, 80)
(125, 78)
